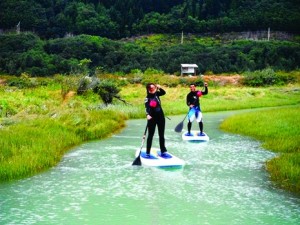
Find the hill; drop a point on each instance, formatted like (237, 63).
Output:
(125, 18)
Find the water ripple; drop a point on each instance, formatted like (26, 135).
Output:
(224, 182)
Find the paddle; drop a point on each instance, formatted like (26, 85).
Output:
(137, 161)
(179, 127)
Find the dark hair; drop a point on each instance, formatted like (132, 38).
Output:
(148, 86)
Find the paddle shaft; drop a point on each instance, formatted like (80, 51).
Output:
(143, 141)
(137, 161)
(185, 117)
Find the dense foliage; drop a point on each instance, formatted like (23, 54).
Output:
(123, 18)
(72, 36)
(26, 52)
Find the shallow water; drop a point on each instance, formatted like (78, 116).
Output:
(224, 182)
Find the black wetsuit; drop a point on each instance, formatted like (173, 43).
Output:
(158, 118)
(193, 99)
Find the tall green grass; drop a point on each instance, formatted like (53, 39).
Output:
(35, 145)
(218, 98)
(278, 129)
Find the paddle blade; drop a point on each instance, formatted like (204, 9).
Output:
(179, 127)
(137, 161)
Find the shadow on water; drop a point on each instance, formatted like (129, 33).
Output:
(224, 182)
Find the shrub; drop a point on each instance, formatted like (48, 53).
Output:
(266, 77)
(24, 81)
(107, 90)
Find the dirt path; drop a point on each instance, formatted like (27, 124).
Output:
(224, 80)
(2, 81)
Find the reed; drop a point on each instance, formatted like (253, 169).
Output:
(278, 129)
(32, 146)
(285, 171)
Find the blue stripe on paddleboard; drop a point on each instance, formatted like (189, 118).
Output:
(171, 167)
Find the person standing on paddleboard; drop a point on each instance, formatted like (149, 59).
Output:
(155, 116)
(192, 100)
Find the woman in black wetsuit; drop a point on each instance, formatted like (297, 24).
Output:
(155, 116)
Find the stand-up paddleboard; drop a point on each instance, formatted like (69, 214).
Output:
(195, 136)
(156, 160)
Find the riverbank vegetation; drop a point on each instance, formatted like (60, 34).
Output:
(40, 123)
(42, 118)
(35, 144)
(278, 129)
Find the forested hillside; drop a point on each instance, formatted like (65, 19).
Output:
(116, 19)
(48, 37)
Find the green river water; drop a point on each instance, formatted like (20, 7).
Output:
(224, 182)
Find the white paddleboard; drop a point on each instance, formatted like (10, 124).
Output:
(156, 160)
(195, 136)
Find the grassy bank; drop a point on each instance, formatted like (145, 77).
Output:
(218, 99)
(32, 146)
(278, 129)
(39, 124)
